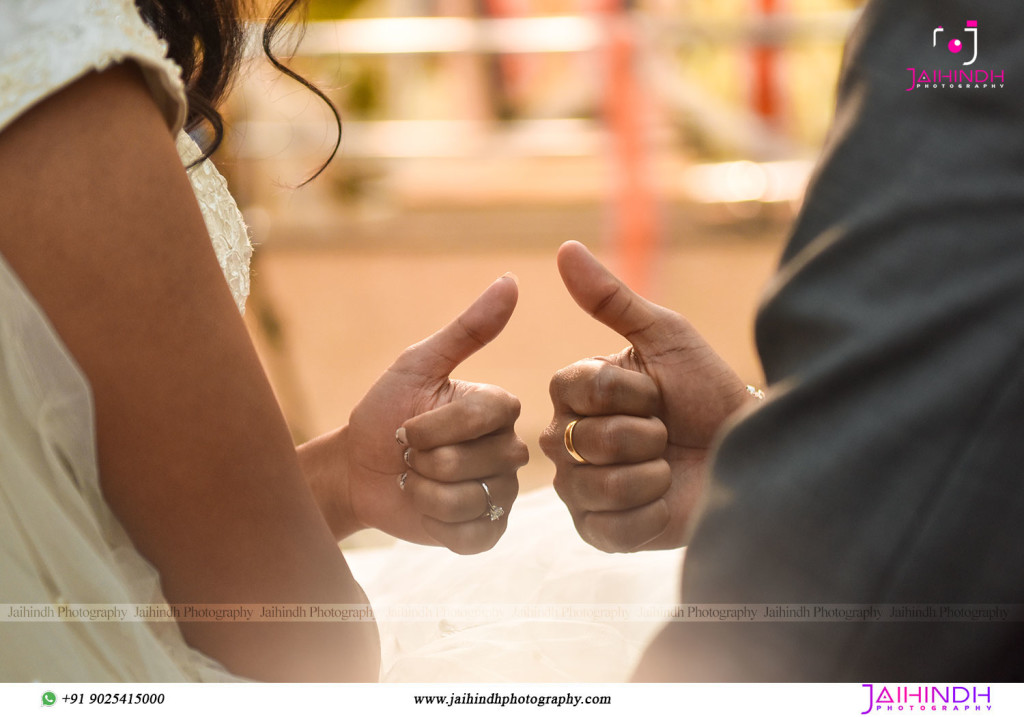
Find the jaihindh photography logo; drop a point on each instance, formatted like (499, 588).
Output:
(951, 63)
(886, 699)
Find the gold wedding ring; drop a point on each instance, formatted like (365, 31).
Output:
(569, 446)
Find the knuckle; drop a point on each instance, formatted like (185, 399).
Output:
(418, 430)
(420, 494)
(612, 438)
(491, 535)
(617, 489)
(447, 510)
(475, 537)
(661, 516)
(513, 407)
(575, 384)
(476, 412)
(627, 487)
(662, 429)
(606, 533)
(438, 502)
(651, 394)
(461, 545)
(513, 491)
(441, 463)
(564, 489)
(551, 441)
(659, 435)
(591, 399)
(584, 526)
(561, 379)
(520, 453)
(605, 386)
(492, 408)
(625, 536)
(438, 464)
(661, 473)
(456, 506)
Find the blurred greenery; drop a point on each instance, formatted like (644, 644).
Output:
(363, 90)
(332, 9)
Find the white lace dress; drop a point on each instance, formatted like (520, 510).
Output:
(59, 541)
(556, 603)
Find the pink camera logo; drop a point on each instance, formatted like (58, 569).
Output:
(939, 76)
(956, 45)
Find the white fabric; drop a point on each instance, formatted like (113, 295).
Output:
(59, 541)
(541, 606)
(47, 44)
(223, 220)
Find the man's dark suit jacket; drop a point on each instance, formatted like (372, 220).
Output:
(887, 466)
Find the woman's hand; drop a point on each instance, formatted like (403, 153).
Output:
(420, 446)
(644, 418)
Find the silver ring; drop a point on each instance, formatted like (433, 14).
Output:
(493, 511)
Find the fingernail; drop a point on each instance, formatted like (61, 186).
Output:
(405, 457)
(509, 275)
(401, 480)
(400, 436)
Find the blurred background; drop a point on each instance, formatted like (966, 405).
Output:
(673, 137)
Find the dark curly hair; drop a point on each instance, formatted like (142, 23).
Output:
(207, 38)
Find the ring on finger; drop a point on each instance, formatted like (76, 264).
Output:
(569, 447)
(493, 511)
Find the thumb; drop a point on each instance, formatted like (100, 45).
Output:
(439, 354)
(605, 297)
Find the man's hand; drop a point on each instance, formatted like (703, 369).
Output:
(644, 418)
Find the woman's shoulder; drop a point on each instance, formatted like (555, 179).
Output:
(46, 45)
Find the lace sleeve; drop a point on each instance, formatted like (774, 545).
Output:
(48, 44)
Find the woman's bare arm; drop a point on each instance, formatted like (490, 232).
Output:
(100, 223)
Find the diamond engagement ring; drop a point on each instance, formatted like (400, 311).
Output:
(569, 446)
(493, 511)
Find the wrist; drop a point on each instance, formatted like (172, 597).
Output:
(324, 462)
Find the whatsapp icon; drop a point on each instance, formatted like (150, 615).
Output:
(49, 699)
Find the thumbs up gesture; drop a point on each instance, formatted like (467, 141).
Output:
(639, 422)
(430, 459)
